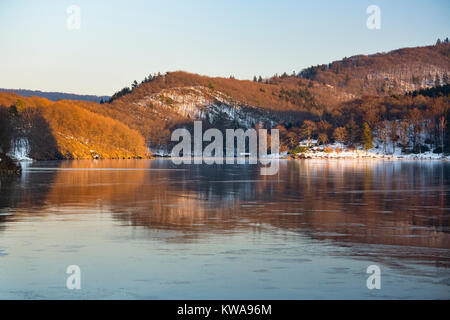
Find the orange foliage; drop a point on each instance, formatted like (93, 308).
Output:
(66, 129)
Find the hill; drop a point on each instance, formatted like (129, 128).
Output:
(163, 102)
(345, 100)
(395, 72)
(41, 129)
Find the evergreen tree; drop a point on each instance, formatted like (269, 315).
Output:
(367, 137)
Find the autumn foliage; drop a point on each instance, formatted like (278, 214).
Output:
(67, 130)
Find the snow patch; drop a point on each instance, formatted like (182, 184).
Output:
(20, 149)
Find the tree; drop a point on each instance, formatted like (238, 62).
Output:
(283, 138)
(340, 135)
(371, 114)
(353, 131)
(383, 133)
(254, 79)
(292, 139)
(415, 119)
(445, 79)
(308, 129)
(322, 138)
(393, 134)
(13, 111)
(6, 129)
(323, 127)
(442, 125)
(437, 80)
(438, 42)
(119, 94)
(403, 133)
(367, 137)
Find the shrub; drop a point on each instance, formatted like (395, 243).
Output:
(298, 149)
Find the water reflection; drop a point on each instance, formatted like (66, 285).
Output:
(149, 229)
(353, 202)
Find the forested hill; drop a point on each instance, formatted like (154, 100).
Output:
(342, 101)
(41, 129)
(361, 89)
(55, 96)
(394, 72)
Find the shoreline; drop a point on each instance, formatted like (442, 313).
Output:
(287, 157)
(410, 157)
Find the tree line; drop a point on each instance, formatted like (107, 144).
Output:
(415, 122)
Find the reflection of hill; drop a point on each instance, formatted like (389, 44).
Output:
(23, 193)
(349, 202)
(375, 202)
(28, 190)
(102, 182)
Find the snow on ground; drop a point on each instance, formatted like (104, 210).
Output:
(338, 150)
(20, 149)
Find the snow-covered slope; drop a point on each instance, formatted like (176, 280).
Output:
(201, 103)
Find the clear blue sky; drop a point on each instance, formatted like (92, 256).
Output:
(120, 41)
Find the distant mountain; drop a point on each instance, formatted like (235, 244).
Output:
(55, 96)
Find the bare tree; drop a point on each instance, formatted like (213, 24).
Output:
(383, 133)
(308, 129)
(340, 134)
(442, 125)
(394, 134)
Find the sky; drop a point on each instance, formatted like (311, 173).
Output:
(121, 41)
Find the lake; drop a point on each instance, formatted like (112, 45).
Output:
(148, 229)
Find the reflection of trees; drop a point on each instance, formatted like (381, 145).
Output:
(375, 202)
(25, 194)
(360, 201)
